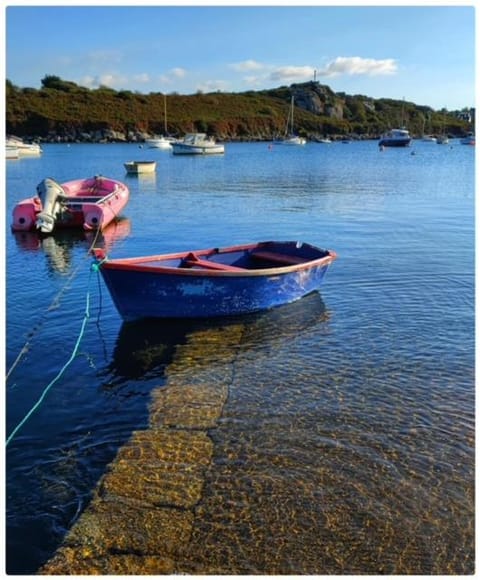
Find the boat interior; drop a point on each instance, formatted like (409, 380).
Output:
(245, 258)
(256, 259)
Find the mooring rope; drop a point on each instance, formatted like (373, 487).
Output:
(74, 352)
(63, 369)
(53, 303)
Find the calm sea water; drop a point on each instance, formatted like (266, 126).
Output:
(345, 442)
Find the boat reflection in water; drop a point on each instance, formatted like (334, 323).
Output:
(145, 182)
(148, 346)
(58, 247)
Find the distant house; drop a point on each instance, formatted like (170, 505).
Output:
(465, 116)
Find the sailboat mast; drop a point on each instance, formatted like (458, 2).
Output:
(291, 130)
(165, 112)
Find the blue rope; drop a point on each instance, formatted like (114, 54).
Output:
(64, 368)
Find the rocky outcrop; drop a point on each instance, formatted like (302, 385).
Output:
(317, 99)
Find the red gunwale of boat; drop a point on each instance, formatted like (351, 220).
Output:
(138, 264)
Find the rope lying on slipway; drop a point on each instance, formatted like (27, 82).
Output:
(142, 513)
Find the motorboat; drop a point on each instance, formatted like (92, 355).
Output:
(443, 140)
(197, 144)
(22, 147)
(90, 203)
(137, 167)
(214, 282)
(395, 138)
(429, 139)
(11, 152)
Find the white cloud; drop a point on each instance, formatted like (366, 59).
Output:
(254, 80)
(178, 72)
(113, 81)
(172, 75)
(292, 73)
(356, 65)
(246, 66)
(212, 86)
(142, 78)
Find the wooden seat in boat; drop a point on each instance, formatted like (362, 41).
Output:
(191, 260)
(279, 258)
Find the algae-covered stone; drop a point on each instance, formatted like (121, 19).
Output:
(73, 561)
(116, 526)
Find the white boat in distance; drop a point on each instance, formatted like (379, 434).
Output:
(290, 138)
(468, 139)
(293, 140)
(11, 152)
(137, 167)
(160, 142)
(395, 138)
(22, 147)
(197, 144)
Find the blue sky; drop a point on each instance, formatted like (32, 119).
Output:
(424, 54)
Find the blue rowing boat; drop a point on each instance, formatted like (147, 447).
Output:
(213, 282)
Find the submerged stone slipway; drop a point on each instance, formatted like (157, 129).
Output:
(141, 516)
(256, 462)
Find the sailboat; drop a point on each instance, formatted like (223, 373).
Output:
(161, 142)
(443, 138)
(290, 138)
(427, 137)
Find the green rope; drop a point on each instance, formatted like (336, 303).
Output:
(64, 368)
(56, 300)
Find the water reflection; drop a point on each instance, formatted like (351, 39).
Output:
(146, 347)
(58, 247)
(144, 182)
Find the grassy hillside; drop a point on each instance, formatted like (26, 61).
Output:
(62, 110)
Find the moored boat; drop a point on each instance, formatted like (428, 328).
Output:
(468, 139)
(395, 138)
(22, 147)
(214, 282)
(137, 167)
(197, 144)
(91, 203)
(290, 138)
(11, 152)
(160, 142)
